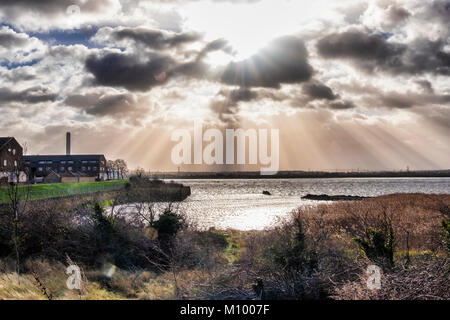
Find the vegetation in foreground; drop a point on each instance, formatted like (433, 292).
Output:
(150, 251)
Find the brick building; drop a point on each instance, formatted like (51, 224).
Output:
(66, 168)
(11, 159)
(88, 167)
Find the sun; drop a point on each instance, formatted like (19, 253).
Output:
(248, 27)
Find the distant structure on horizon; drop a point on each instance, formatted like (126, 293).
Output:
(67, 143)
(66, 168)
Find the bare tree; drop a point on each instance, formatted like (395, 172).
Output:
(140, 172)
(110, 169)
(17, 198)
(121, 167)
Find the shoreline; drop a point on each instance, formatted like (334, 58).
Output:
(301, 175)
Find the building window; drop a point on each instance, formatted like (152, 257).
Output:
(15, 163)
(89, 168)
(95, 169)
(70, 168)
(14, 151)
(63, 162)
(83, 168)
(5, 162)
(41, 162)
(40, 169)
(70, 162)
(61, 169)
(84, 162)
(49, 162)
(48, 168)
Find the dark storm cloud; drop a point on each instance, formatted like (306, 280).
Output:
(372, 51)
(317, 90)
(315, 94)
(426, 85)
(216, 45)
(243, 95)
(51, 7)
(101, 104)
(398, 14)
(426, 56)
(198, 68)
(226, 110)
(437, 10)
(128, 71)
(360, 46)
(155, 39)
(405, 100)
(246, 95)
(82, 101)
(396, 100)
(9, 39)
(226, 103)
(121, 70)
(30, 95)
(285, 60)
(341, 105)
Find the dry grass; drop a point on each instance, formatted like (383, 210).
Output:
(324, 263)
(421, 269)
(415, 218)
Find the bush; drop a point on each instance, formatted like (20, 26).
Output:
(294, 256)
(379, 245)
(446, 233)
(168, 224)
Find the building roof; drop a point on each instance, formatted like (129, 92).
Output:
(53, 173)
(73, 157)
(4, 140)
(70, 174)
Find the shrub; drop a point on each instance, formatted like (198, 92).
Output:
(168, 224)
(294, 255)
(104, 225)
(446, 233)
(378, 245)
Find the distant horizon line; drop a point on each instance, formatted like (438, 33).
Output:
(301, 171)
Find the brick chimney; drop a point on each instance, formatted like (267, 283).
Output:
(68, 143)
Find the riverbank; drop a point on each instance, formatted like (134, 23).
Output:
(156, 190)
(303, 174)
(57, 190)
(321, 252)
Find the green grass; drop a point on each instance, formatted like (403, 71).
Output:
(53, 190)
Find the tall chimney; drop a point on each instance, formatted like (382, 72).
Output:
(68, 143)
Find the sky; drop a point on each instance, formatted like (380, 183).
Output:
(350, 84)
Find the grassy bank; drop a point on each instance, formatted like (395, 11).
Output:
(54, 190)
(320, 253)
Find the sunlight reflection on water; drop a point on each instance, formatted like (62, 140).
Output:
(240, 204)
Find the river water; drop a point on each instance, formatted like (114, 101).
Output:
(240, 204)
